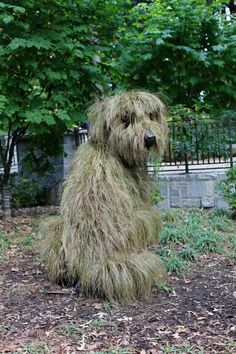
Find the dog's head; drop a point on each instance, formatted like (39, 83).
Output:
(131, 124)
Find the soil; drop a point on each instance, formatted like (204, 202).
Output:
(194, 314)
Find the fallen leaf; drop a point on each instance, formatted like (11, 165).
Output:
(182, 330)
(82, 344)
(15, 269)
(176, 336)
(97, 306)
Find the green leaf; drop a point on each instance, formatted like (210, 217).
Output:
(7, 19)
(17, 43)
(218, 48)
(19, 9)
(63, 115)
(90, 68)
(159, 41)
(49, 120)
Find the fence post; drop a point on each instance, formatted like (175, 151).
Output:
(186, 162)
(187, 122)
(230, 140)
(76, 135)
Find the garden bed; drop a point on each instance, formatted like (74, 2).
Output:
(192, 313)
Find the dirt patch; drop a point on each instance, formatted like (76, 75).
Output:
(194, 314)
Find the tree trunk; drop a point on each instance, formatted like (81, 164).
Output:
(6, 200)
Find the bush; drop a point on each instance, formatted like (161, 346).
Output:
(228, 188)
(27, 193)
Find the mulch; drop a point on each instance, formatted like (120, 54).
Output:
(195, 315)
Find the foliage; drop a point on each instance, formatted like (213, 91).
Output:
(115, 351)
(54, 59)
(228, 188)
(185, 49)
(35, 348)
(27, 193)
(187, 233)
(6, 241)
(71, 331)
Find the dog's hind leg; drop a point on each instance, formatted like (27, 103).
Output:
(53, 255)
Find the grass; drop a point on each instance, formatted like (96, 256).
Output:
(191, 349)
(70, 331)
(27, 241)
(163, 287)
(100, 323)
(4, 328)
(115, 351)
(35, 348)
(174, 349)
(188, 233)
(107, 307)
(8, 240)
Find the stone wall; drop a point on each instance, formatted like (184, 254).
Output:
(195, 190)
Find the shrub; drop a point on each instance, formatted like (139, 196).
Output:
(228, 188)
(27, 193)
(208, 241)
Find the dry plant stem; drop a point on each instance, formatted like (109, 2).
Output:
(106, 222)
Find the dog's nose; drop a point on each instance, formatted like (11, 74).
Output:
(149, 139)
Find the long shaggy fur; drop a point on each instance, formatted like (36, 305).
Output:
(106, 223)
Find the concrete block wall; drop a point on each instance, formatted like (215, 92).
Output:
(69, 148)
(194, 190)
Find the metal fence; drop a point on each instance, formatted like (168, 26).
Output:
(193, 145)
(199, 145)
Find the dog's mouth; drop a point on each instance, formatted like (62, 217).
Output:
(149, 139)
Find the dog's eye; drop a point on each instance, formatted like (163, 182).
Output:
(125, 121)
(151, 116)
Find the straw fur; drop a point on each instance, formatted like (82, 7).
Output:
(106, 223)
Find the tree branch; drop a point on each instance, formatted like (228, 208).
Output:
(2, 154)
(8, 139)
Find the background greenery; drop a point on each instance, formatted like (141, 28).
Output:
(56, 56)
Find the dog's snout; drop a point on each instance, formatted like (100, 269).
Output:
(149, 138)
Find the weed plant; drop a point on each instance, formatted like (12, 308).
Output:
(186, 234)
(35, 348)
(70, 331)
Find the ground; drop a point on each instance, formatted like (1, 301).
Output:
(194, 312)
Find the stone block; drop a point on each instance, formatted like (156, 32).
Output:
(164, 190)
(210, 188)
(191, 203)
(220, 203)
(207, 202)
(163, 204)
(174, 190)
(175, 201)
(197, 189)
(184, 191)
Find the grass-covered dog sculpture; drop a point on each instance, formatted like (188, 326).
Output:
(106, 222)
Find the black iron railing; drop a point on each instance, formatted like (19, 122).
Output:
(194, 145)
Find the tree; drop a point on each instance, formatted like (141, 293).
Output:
(185, 49)
(54, 58)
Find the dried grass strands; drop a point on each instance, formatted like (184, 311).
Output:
(106, 222)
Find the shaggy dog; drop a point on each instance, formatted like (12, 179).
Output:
(106, 222)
